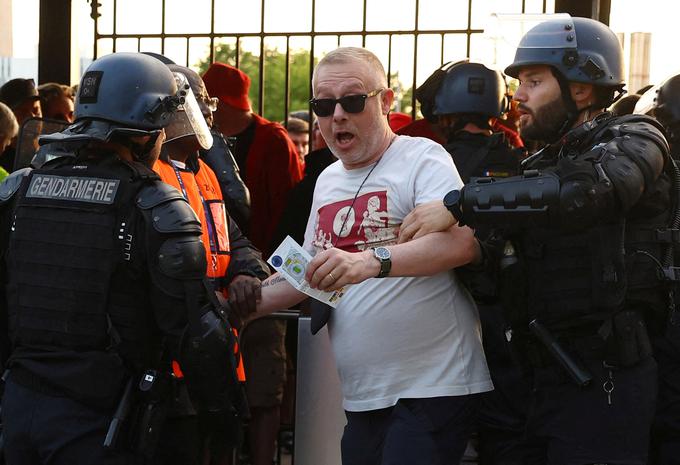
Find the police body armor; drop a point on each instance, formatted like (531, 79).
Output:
(478, 155)
(235, 193)
(587, 234)
(75, 283)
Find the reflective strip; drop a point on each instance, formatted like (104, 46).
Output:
(73, 188)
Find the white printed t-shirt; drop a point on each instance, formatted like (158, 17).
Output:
(396, 337)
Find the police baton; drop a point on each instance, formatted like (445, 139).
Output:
(119, 417)
(581, 376)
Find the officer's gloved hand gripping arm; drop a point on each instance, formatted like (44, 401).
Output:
(605, 182)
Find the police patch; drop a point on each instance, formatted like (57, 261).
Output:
(73, 188)
(89, 87)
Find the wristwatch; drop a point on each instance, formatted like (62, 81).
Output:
(452, 204)
(384, 256)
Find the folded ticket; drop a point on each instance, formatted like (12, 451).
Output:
(291, 261)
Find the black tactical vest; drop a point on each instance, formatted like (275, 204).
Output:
(580, 278)
(478, 155)
(75, 272)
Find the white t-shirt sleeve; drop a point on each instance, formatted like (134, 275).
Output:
(312, 220)
(434, 175)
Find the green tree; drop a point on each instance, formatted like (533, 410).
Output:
(274, 77)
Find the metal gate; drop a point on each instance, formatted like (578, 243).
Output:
(408, 38)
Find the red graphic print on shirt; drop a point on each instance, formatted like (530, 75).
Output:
(358, 228)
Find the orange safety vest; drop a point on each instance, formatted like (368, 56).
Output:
(203, 193)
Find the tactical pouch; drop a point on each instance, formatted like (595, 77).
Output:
(629, 341)
(149, 413)
(672, 329)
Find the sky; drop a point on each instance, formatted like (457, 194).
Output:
(135, 16)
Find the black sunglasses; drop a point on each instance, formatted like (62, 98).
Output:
(350, 103)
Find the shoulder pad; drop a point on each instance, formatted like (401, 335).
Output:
(170, 212)
(155, 194)
(182, 257)
(11, 184)
(638, 125)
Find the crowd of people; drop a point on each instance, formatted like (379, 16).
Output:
(507, 264)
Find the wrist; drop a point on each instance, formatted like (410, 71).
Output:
(372, 267)
(452, 201)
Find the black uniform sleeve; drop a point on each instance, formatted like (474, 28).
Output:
(245, 258)
(8, 188)
(605, 181)
(176, 260)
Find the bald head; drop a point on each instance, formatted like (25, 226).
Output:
(348, 55)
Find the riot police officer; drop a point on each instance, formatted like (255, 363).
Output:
(585, 261)
(663, 103)
(470, 97)
(102, 269)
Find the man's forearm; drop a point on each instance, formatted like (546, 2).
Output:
(277, 294)
(425, 256)
(434, 253)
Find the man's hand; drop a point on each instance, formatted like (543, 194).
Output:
(245, 292)
(424, 219)
(333, 268)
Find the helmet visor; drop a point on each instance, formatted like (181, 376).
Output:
(647, 103)
(188, 120)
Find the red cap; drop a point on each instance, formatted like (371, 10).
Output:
(228, 84)
(398, 120)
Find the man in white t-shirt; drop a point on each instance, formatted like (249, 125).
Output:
(408, 347)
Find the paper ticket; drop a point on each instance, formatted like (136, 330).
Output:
(291, 260)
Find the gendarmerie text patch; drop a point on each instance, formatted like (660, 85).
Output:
(73, 188)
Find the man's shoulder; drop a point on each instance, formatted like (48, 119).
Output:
(331, 171)
(416, 150)
(607, 127)
(416, 145)
(266, 128)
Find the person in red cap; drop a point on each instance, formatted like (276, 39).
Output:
(270, 167)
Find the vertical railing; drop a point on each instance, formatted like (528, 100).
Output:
(212, 35)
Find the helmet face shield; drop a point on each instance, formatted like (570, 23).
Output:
(188, 120)
(647, 103)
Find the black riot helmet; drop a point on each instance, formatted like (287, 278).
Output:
(122, 94)
(663, 103)
(471, 88)
(579, 49)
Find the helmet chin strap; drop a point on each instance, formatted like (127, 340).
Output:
(573, 113)
(141, 151)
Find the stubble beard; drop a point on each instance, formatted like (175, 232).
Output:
(546, 122)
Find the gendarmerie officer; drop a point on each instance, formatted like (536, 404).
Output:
(103, 280)
(586, 256)
(469, 98)
(663, 103)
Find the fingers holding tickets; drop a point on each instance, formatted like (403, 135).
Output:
(334, 268)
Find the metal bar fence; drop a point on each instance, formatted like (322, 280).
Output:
(214, 37)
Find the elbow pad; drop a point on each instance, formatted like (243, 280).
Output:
(531, 199)
(208, 363)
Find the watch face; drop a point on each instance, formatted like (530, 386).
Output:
(452, 198)
(382, 253)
